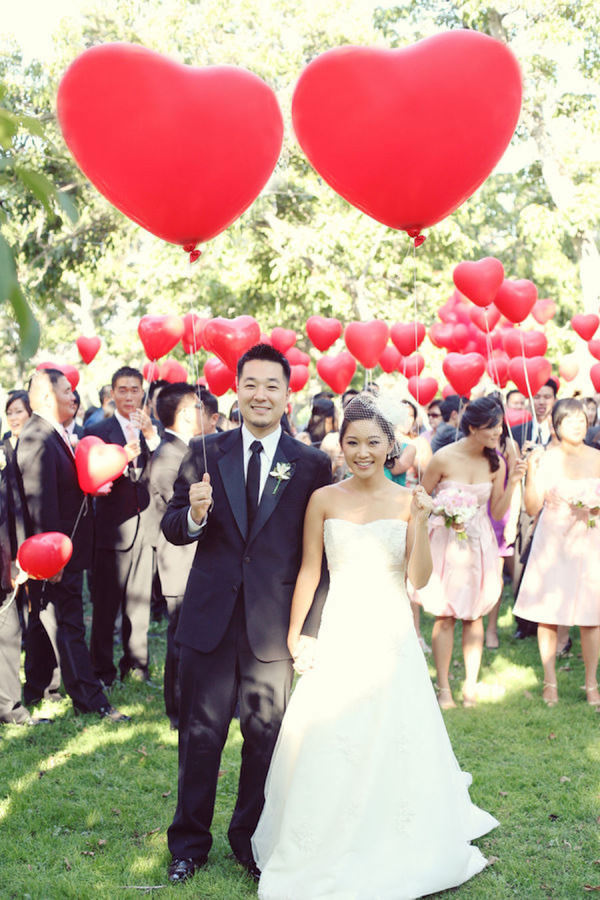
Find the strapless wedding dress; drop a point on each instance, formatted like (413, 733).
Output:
(364, 798)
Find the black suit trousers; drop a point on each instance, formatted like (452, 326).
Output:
(210, 685)
(172, 691)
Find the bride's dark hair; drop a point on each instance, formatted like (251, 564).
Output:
(363, 408)
(483, 413)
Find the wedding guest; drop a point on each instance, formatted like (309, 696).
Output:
(234, 415)
(561, 583)
(209, 412)
(347, 397)
(331, 446)
(95, 414)
(323, 420)
(466, 582)
(448, 431)
(515, 400)
(538, 429)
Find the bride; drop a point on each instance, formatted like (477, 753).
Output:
(364, 798)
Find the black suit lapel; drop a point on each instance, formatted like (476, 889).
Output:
(231, 468)
(274, 488)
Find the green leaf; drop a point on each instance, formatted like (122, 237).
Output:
(10, 290)
(40, 186)
(8, 127)
(67, 205)
(32, 125)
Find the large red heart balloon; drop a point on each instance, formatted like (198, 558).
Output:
(182, 151)
(44, 555)
(172, 371)
(408, 135)
(497, 369)
(422, 389)
(463, 371)
(366, 341)
(485, 319)
(70, 372)
(585, 326)
(543, 310)
(98, 463)
(230, 338)
(412, 365)
(407, 337)
(525, 343)
(390, 359)
(516, 299)
(297, 357)
(440, 334)
(337, 371)
(193, 328)
(283, 338)
(298, 377)
(479, 281)
(595, 376)
(529, 373)
(323, 332)
(88, 348)
(594, 347)
(159, 334)
(219, 377)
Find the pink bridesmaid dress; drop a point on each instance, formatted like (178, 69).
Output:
(465, 582)
(561, 583)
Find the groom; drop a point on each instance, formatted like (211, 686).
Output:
(246, 510)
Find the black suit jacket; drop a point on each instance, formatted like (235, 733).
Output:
(51, 489)
(5, 542)
(126, 511)
(174, 563)
(15, 503)
(264, 562)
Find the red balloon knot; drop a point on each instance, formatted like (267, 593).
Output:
(194, 255)
(189, 248)
(419, 239)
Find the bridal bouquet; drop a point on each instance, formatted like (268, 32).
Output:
(586, 496)
(457, 508)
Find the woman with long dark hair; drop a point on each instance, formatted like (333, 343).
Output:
(561, 583)
(462, 477)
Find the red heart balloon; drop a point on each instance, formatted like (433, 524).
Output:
(98, 463)
(390, 359)
(44, 555)
(595, 376)
(463, 371)
(543, 310)
(529, 373)
(323, 332)
(412, 365)
(283, 338)
(489, 315)
(479, 281)
(298, 377)
(568, 368)
(366, 341)
(422, 389)
(297, 357)
(219, 377)
(230, 338)
(440, 334)
(181, 151)
(515, 299)
(159, 334)
(585, 325)
(497, 369)
(459, 338)
(151, 372)
(88, 348)
(594, 347)
(172, 371)
(408, 135)
(525, 343)
(407, 337)
(70, 372)
(337, 371)
(515, 417)
(193, 328)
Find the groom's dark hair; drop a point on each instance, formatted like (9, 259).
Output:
(267, 353)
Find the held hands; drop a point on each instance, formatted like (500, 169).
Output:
(304, 652)
(201, 498)
(421, 505)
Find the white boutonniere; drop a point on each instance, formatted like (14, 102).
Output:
(282, 472)
(2, 460)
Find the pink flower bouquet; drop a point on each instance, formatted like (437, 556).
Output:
(457, 508)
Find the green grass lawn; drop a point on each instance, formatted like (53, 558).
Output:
(85, 805)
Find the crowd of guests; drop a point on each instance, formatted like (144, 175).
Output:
(534, 486)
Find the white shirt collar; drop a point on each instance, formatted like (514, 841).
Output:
(48, 418)
(269, 442)
(181, 437)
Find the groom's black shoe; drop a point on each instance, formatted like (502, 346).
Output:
(249, 865)
(182, 869)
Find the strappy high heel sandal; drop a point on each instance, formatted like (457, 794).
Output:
(445, 698)
(550, 701)
(588, 690)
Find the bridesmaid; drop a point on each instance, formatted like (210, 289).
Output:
(466, 582)
(561, 584)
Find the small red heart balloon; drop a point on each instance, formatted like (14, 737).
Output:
(283, 338)
(595, 376)
(529, 373)
(485, 319)
(594, 347)
(219, 377)
(337, 371)
(412, 365)
(88, 348)
(230, 338)
(525, 343)
(366, 341)
(516, 299)
(497, 369)
(440, 334)
(298, 377)
(585, 325)
(479, 281)
(44, 555)
(182, 151)
(173, 372)
(323, 332)
(463, 371)
(390, 359)
(159, 334)
(98, 463)
(568, 368)
(422, 389)
(459, 338)
(151, 372)
(193, 328)
(407, 337)
(543, 310)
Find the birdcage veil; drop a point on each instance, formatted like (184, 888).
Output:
(385, 410)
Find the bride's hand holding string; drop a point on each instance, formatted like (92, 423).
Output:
(421, 505)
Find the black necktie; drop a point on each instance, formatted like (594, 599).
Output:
(253, 481)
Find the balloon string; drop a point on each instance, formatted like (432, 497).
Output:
(494, 366)
(535, 430)
(195, 371)
(416, 336)
(79, 515)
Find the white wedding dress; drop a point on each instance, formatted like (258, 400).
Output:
(364, 798)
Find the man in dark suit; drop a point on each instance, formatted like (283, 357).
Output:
(123, 557)
(55, 502)
(242, 496)
(179, 412)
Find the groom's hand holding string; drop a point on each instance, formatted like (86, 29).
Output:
(200, 499)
